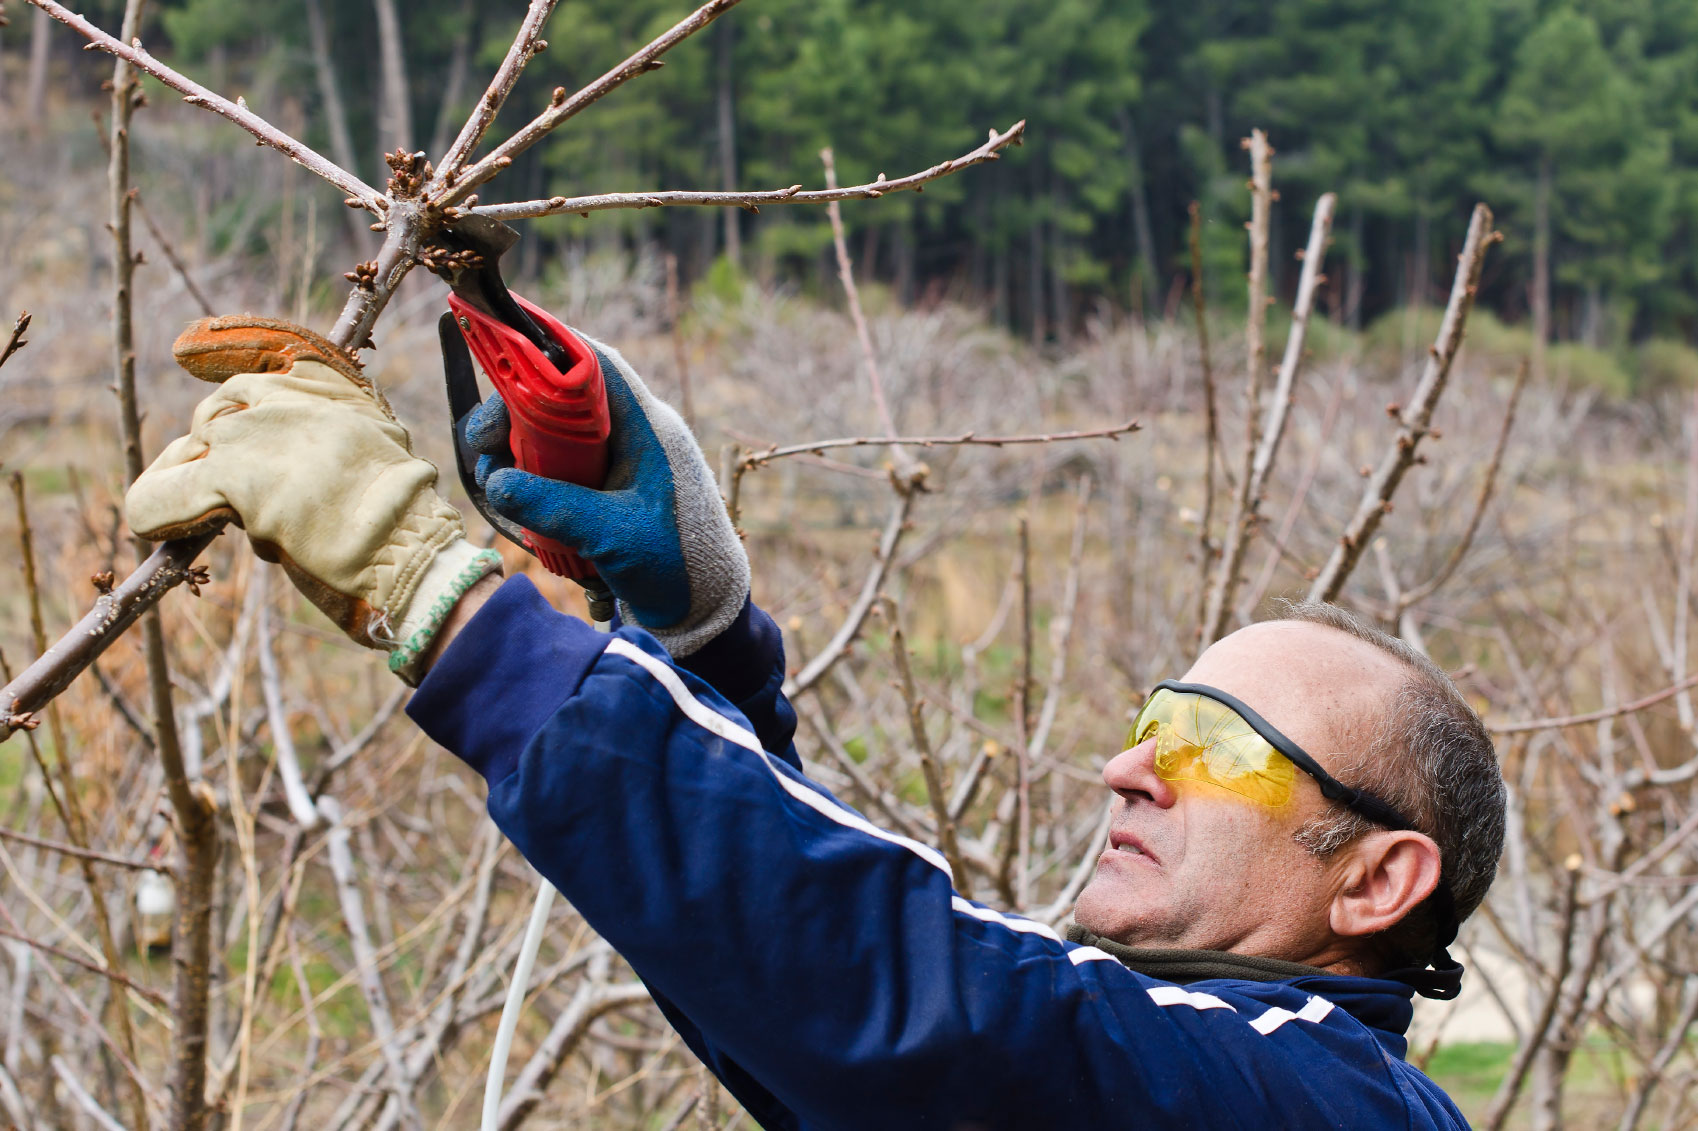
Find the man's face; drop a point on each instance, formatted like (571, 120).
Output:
(1191, 866)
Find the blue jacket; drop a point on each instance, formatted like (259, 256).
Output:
(823, 967)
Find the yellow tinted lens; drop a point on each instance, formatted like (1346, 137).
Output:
(1198, 739)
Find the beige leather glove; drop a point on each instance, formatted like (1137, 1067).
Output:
(298, 449)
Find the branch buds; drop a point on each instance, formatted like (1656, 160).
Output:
(439, 258)
(409, 172)
(364, 275)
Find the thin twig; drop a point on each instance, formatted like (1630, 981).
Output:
(76, 824)
(1563, 721)
(1288, 522)
(90, 1107)
(989, 151)
(1427, 589)
(172, 258)
(1211, 436)
(762, 456)
(104, 971)
(16, 341)
(1415, 422)
(83, 853)
(1676, 1039)
(1023, 721)
(846, 276)
(365, 957)
(295, 794)
(561, 107)
(590, 1002)
(937, 793)
(197, 95)
(526, 44)
(1510, 1087)
(846, 633)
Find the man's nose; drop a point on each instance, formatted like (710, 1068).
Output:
(1132, 773)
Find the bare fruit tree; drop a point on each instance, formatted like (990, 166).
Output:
(982, 556)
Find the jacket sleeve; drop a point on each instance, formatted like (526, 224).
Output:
(826, 966)
(745, 665)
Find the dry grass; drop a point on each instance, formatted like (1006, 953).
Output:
(1567, 602)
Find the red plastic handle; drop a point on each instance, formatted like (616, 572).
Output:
(560, 420)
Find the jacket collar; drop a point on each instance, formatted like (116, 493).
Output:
(1382, 1004)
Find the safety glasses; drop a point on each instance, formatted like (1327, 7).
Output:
(1202, 734)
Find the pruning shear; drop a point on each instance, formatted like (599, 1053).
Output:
(548, 377)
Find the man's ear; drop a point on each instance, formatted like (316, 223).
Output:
(1384, 877)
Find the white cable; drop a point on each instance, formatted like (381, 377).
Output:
(516, 990)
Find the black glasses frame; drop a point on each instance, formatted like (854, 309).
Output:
(1332, 789)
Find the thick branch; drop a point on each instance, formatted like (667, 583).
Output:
(989, 151)
(197, 95)
(112, 614)
(1416, 420)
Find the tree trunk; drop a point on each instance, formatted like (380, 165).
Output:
(1061, 317)
(397, 116)
(335, 113)
(1419, 283)
(35, 98)
(905, 274)
(1141, 234)
(1356, 273)
(999, 286)
(1541, 267)
(449, 113)
(727, 118)
(1035, 279)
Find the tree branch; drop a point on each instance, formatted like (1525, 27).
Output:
(937, 794)
(760, 457)
(1415, 421)
(1422, 592)
(197, 95)
(562, 107)
(851, 626)
(153, 996)
(15, 341)
(83, 853)
(526, 44)
(989, 151)
(1563, 721)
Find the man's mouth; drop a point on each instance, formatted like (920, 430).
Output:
(1127, 844)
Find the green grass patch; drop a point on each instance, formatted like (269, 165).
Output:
(1470, 1071)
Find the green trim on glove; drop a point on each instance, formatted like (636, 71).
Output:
(435, 601)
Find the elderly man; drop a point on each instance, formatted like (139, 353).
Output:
(1301, 820)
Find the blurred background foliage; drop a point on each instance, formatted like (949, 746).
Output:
(1577, 117)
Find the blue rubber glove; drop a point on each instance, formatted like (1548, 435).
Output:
(656, 532)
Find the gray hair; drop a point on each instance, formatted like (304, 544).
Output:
(1433, 761)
